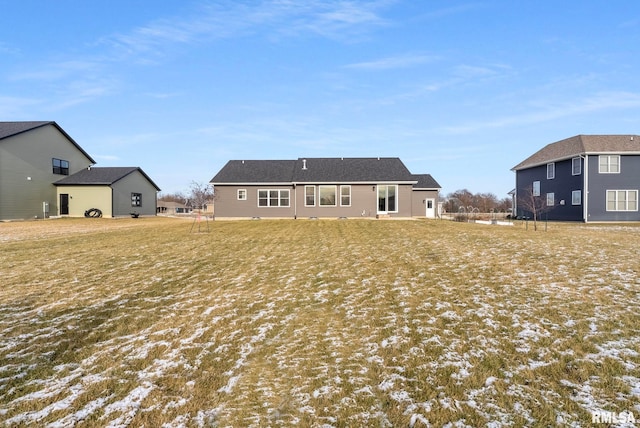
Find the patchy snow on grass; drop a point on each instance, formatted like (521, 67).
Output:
(321, 324)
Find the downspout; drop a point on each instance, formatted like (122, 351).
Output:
(295, 202)
(585, 208)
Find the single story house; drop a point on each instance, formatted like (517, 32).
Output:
(172, 208)
(115, 191)
(323, 187)
(582, 178)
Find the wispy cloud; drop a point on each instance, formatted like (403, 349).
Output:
(400, 61)
(599, 102)
(341, 20)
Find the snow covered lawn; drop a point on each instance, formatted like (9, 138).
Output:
(138, 322)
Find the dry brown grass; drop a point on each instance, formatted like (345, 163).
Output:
(316, 323)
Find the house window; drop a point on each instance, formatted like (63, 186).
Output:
(309, 196)
(551, 171)
(609, 164)
(576, 166)
(136, 199)
(273, 198)
(622, 200)
(387, 199)
(536, 188)
(345, 196)
(60, 166)
(576, 197)
(327, 196)
(551, 199)
(242, 194)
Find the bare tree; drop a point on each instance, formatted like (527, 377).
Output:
(531, 202)
(199, 195)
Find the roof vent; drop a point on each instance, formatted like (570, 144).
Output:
(632, 138)
(304, 164)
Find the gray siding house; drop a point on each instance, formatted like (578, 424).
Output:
(323, 187)
(116, 191)
(34, 155)
(583, 178)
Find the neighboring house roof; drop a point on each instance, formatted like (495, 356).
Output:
(314, 170)
(581, 145)
(425, 181)
(104, 176)
(9, 129)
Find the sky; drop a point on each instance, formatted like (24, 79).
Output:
(462, 90)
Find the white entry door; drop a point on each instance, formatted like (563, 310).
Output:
(431, 208)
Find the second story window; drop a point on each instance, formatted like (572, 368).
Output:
(609, 164)
(60, 166)
(576, 166)
(551, 171)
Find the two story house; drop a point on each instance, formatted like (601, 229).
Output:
(323, 187)
(45, 173)
(582, 178)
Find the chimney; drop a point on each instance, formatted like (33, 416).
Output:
(304, 164)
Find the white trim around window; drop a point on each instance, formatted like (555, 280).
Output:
(242, 194)
(622, 200)
(551, 170)
(345, 195)
(273, 198)
(609, 164)
(535, 188)
(309, 196)
(576, 166)
(551, 199)
(327, 196)
(576, 197)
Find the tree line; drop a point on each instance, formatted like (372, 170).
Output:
(464, 200)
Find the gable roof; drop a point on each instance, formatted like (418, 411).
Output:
(9, 129)
(581, 145)
(314, 170)
(255, 171)
(101, 176)
(350, 170)
(425, 181)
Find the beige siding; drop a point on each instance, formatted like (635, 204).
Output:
(133, 183)
(26, 172)
(82, 198)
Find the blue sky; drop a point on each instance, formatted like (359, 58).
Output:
(461, 90)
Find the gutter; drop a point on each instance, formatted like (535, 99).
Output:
(585, 208)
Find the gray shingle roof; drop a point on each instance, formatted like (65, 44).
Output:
(581, 145)
(314, 170)
(9, 129)
(350, 170)
(101, 176)
(425, 181)
(255, 171)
